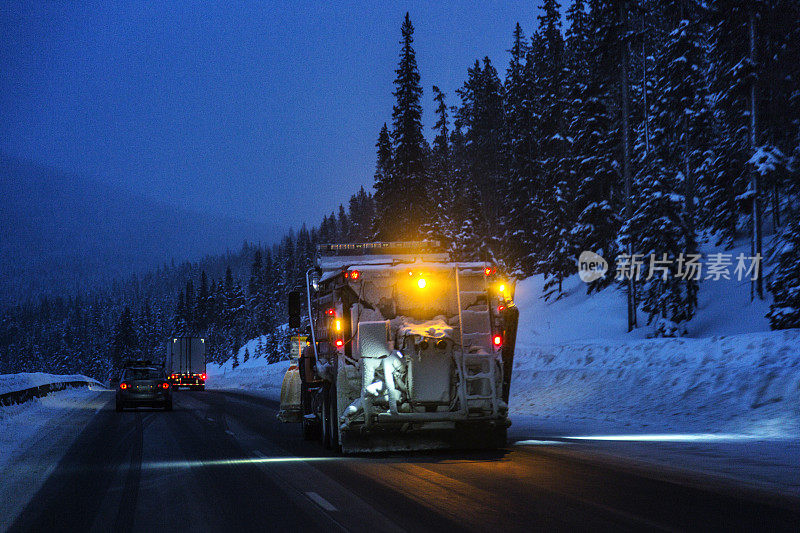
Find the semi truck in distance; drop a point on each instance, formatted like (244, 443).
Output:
(406, 349)
(186, 362)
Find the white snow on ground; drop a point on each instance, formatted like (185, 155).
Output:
(724, 400)
(20, 422)
(254, 375)
(22, 381)
(34, 437)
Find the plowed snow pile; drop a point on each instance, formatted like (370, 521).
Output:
(747, 384)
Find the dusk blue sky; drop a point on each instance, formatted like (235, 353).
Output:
(266, 111)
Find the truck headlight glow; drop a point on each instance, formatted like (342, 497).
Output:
(421, 283)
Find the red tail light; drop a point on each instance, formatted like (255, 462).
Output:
(498, 340)
(339, 343)
(488, 271)
(330, 312)
(165, 385)
(352, 274)
(501, 308)
(203, 377)
(123, 386)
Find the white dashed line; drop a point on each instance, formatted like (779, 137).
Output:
(319, 500)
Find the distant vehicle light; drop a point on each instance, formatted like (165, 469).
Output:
(354, 274)
(421, 283)
(488, 271)
(498, 340)
(330, 312)
(123, 386)
(203, 377)
(501, 308)
(339, 343)
(338, 324)
(165, 385)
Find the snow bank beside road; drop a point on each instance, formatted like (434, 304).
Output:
(22, 381)
(748, 384)
(254, 375)
(19, 423)
(34, 437)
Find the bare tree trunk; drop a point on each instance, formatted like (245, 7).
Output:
(644, 93)
(689, 194)
(755, 179)
(626, 155)
(776, 208)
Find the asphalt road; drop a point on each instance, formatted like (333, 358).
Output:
(222, 462)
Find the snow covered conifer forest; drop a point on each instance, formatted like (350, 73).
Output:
(625, 127)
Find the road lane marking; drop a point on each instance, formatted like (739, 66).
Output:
(209, 419)
(319, 500)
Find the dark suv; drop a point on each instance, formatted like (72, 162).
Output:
(144, 385)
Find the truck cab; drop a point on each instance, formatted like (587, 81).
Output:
(410, 350)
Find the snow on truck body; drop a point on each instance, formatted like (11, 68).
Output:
(411, 351)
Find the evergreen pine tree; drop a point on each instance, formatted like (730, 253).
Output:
(400, 196)
(124, 343)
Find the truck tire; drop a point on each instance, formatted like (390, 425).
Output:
(310, 430)
(333, 417)
(500, 437)
(327, 439)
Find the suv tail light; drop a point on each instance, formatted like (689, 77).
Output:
(123, 386)
(203, 377)
(165, 385)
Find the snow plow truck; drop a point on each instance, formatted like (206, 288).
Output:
(404, 350)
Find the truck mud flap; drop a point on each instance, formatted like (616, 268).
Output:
(511, 320)
(291, 408)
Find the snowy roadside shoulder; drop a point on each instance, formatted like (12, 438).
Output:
(27, 380)
(256, 375)
(34, 437)
(724, 405)
(746, 383)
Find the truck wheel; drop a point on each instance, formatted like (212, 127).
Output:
(500, 437)
(327, 440)
(333, 417)
(310, 430)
